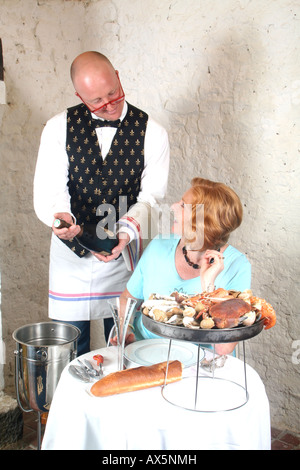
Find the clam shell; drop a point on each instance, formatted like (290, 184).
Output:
(189, 312)
(207, 323)
(161, 304)
(249, 318)
(158, 315)
(189, 322)
(175, 320)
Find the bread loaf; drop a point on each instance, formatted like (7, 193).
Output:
(137, 378)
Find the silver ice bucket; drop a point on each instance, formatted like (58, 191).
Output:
(43, 351)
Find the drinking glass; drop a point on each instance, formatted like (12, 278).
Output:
(122, 309)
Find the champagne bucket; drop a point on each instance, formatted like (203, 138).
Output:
(43, 351)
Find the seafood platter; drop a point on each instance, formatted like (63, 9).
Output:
(221, 316)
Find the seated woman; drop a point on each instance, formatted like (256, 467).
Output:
(177, 263)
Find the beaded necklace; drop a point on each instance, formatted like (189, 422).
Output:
(189, 262)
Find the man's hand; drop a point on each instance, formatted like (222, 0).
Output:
(123, 241)
(66, 233)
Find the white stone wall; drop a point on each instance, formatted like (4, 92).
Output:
(223, 77)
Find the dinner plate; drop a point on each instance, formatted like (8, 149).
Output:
(153, 351)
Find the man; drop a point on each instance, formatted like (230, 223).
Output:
(88, 172)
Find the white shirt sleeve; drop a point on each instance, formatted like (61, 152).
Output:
(51, 192)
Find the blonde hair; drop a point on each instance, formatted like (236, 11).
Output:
(223, 212)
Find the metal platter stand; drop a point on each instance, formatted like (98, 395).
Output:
(205, 336)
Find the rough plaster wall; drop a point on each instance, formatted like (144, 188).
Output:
(223, 77)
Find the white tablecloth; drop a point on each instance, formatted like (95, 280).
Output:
(145, 420)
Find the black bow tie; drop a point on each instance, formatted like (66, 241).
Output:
(100, 123)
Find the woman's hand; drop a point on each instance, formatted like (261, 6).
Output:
(129, 338)
(212, 263)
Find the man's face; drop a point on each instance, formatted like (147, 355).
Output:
(102, 94)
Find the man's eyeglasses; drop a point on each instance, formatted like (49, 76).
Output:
(104, 106)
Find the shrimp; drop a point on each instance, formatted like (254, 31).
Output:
(267, 311)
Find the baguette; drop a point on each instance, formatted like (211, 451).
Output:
(137, 378)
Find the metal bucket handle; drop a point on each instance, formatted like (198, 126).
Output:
(20, 374)
(42, 354)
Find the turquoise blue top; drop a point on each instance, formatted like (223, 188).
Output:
(156, 273)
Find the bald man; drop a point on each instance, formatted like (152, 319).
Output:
(102, 160)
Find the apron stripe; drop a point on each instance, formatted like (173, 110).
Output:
(81, 297)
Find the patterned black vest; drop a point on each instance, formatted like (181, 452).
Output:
(94, 182)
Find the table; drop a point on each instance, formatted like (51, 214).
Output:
(145, 420)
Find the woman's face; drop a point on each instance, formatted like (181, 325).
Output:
(182, 213)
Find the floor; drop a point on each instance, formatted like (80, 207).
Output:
(281, 440)
(29, 440)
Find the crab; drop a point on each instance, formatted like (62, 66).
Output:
(258, 306)
(229, 313)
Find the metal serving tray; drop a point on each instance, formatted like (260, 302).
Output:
(212, 336)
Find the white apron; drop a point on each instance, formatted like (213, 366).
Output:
(80, 287)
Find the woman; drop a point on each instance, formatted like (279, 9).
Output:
(181, 263)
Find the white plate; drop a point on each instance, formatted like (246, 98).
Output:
(153, 351)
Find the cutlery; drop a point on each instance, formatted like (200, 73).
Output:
(89, 364)
(88, 368)
(79, 373)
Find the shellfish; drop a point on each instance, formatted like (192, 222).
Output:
(221, 309)
(175, 320)
(189, 322)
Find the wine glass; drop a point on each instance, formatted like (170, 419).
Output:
(122, 309)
